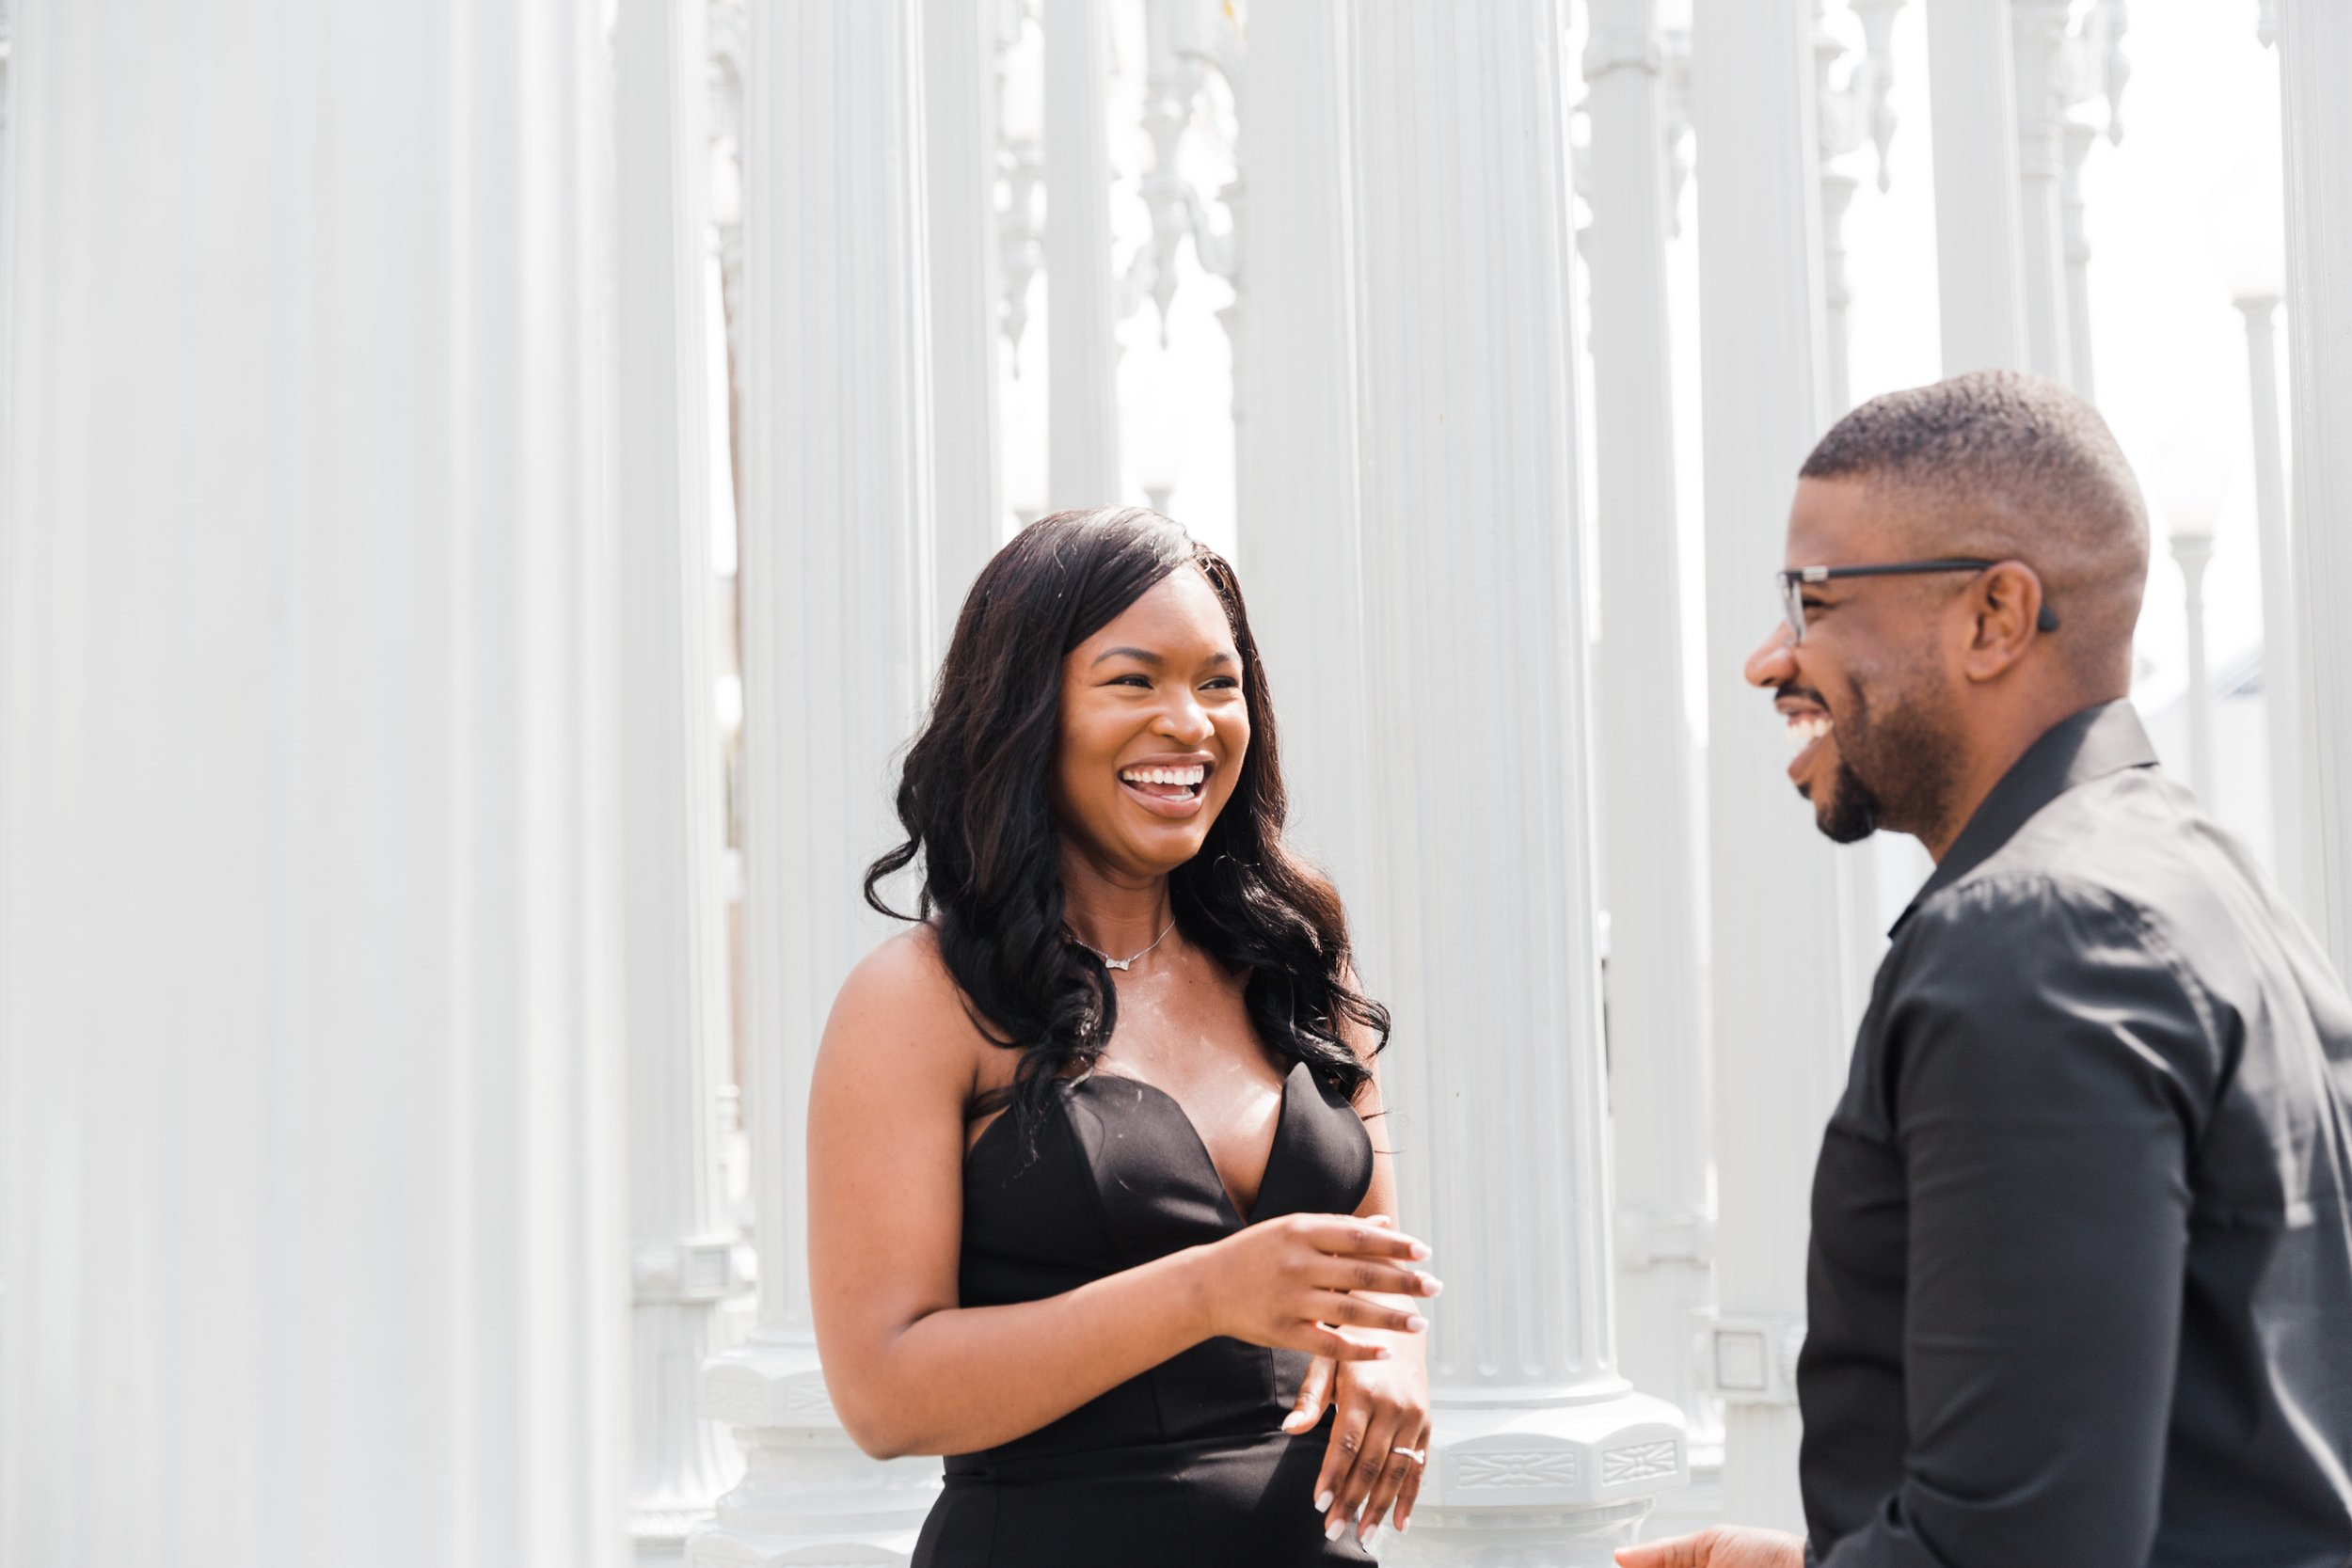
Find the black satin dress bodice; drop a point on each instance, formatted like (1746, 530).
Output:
(1187, 1465)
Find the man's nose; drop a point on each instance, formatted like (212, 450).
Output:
(1775, 662)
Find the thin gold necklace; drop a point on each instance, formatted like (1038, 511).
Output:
(1109, 962)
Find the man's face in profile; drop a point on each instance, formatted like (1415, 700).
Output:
(1865, 694)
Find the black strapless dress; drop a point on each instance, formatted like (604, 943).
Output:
(1186, 1467)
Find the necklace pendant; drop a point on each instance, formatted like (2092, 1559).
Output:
(1117, 963)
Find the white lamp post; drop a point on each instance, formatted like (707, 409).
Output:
(2192, 546)
(2250, 259)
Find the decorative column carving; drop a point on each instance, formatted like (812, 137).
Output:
(1649, 787)
(959, 93)
(2314, 62)
(2282, 674)
(1859, 113)
(684, 1259)
(1979, 248)
(2040, 39)
(311, 1211)
(837, 533)
(1081, 306)
(1780, 1009)
(1481, 805)
(1295, 435)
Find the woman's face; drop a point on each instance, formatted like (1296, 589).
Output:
(1154, 730)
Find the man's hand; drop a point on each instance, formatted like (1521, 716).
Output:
(1725, 1546)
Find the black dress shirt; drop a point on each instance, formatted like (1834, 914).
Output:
(2081, 1275)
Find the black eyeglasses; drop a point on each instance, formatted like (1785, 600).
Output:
(1794, 578)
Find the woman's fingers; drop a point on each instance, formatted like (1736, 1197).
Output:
(1362, 1273)
(1409, 1493)
(1314, 1390)
(1337, 1308)
(1407, 1447)
(1355, 1237)
(1338, 1467)
(1371, 1461)
(1315, 1339)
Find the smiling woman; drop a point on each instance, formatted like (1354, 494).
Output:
(1094, 1209)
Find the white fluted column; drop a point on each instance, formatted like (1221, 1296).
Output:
(837, 533)
(683, 1252)
(2081, 137)
(960, 131)
(1080, 314)
(2283, 674)
(1649, 792)
(1780, 1008)
(2038, 36)
(1979, 248)
(311, 1209)
(1481, 799)
(2316, 60)
(1295, 437)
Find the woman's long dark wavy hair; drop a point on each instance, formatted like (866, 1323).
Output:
(975, 799)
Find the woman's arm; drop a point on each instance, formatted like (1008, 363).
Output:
(910, 1370)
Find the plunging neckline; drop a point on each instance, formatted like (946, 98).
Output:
(1224, 1194)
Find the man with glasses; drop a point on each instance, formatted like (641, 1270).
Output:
(2081, 1271)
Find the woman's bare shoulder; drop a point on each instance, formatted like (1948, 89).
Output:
(901, 1010)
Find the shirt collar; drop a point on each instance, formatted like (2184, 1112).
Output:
(2097, 741)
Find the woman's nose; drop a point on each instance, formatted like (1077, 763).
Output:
(1184, 722)
(1775, 662)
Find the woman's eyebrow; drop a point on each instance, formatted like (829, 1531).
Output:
(1141, 655)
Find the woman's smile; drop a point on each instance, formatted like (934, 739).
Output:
(1168, 786)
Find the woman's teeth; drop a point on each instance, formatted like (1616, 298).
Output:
(1805, 729)
(1190, 777)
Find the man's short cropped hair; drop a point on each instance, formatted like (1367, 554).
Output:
(2007, 465)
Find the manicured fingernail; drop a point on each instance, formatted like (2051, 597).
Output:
(1419, 1249)
(1381, 1219)
(1333, 1532)
(1369, 1536)
(1323, 1501)
(1383, 1353)
(1431, 1285)
(1403, 1523)
(1415, 1323)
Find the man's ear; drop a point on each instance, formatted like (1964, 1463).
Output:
(2006, 613)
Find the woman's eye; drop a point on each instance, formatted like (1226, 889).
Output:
(1813, 606)
(1221, 683)
(1143, 681)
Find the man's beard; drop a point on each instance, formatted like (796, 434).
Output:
(1894, 769)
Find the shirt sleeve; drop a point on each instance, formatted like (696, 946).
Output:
(2048, 1066)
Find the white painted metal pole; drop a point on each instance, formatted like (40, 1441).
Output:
(1648, 785)
(2194, 551)
(1081, 316)
(2039, 35)
(2080, 137)
(1481, 805)
(1979, 251)
(1295, 439)
(960, 180)
(2316, 60)
(310, 1139)
(684, 1250)
(1780, 1007)
(2282, 682)
(837, 533)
